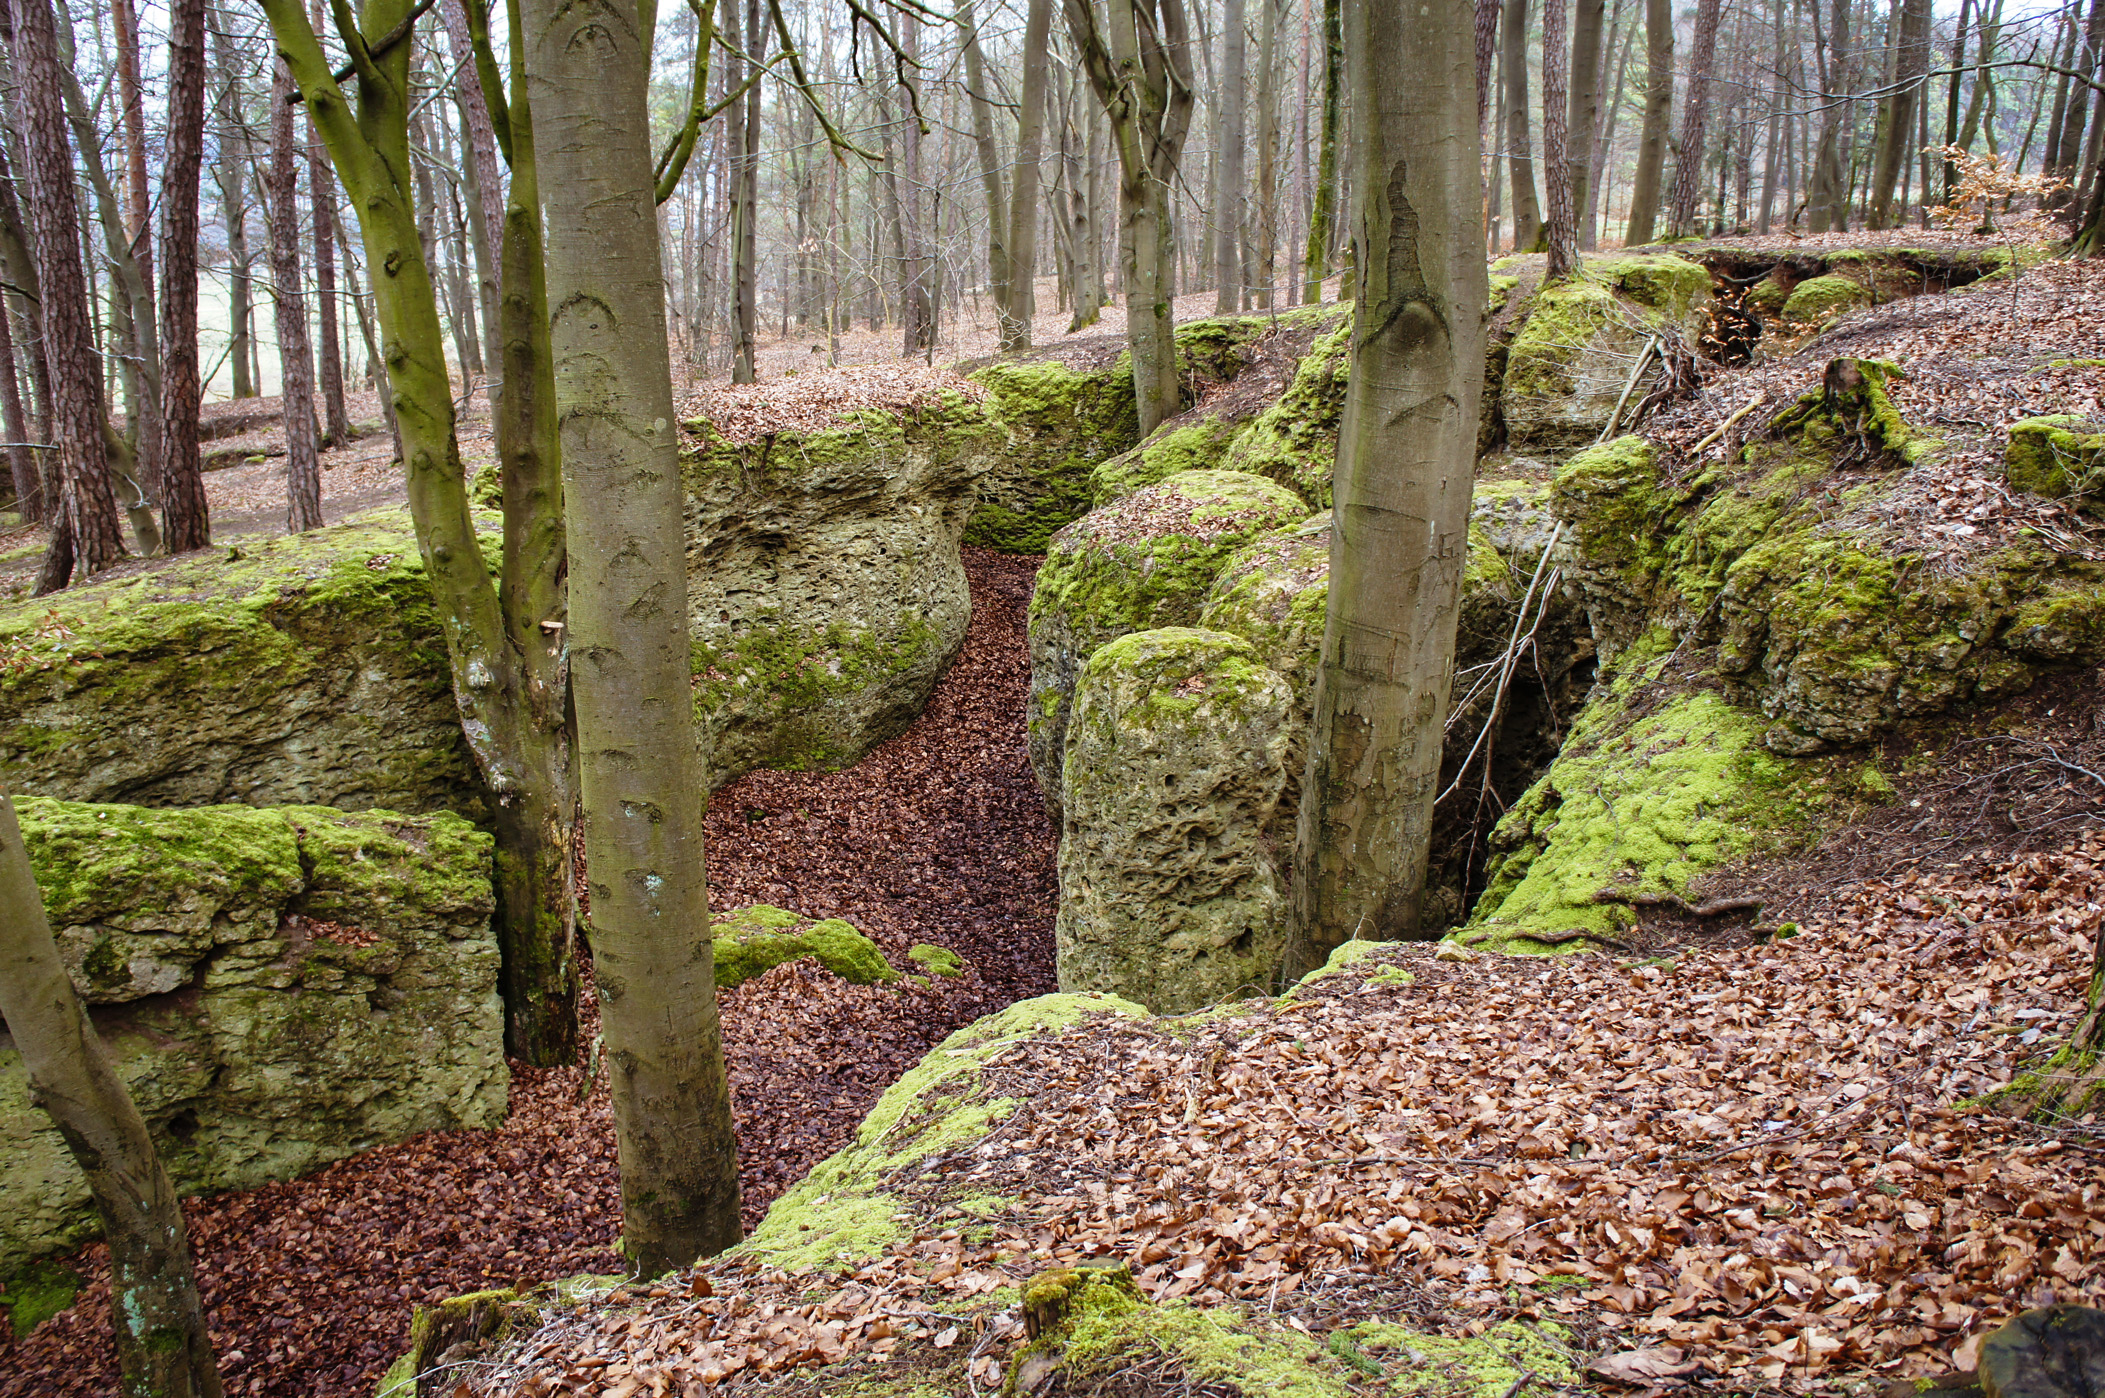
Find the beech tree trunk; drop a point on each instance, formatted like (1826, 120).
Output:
(1315, 264)
(185, 519)
(644, 785)
(321, 196)
(86, 534)
(1022, 245)
(1406, 451)
(1229, 138)
(163, 1349)
(989, 154)
(1827, 194)
(303, 467)
(1659, 106)
(1520, 159)
(1695, 113)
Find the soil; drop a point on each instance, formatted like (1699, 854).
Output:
(939, 836)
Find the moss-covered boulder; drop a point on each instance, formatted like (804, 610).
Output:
(1572, 355)
(760, 938)
(1144, 561)
(2056, 457)
(280, 988)
(310, 668)
(1818, 300)
(1175, 764)
(1294, 440)
(825, 591)
(1754, 636)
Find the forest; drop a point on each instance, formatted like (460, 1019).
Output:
(1116, 699)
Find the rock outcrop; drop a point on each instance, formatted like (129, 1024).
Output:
(309, 669)
(280, 988)
(1174, 766)
(1146, 560)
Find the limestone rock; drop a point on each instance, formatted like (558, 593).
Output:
(760, 938)
(1818, 300)
(2053, 1352)
(1144, 561)
(825, 592)
(1175, 764)
(2055, 457)
(1571, 357)
(302, 669)
(280, 988)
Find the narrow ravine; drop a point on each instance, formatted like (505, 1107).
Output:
(938, 836)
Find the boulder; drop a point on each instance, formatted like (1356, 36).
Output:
(1174, 766)
(2051, 1352)
(2056, 457)
(304, 669)
(280, 988)
(1571, 358)
(760, 938)
(1146, 560)
(825, 591)
(1818, 300)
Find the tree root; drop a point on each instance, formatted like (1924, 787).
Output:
(1716, 907)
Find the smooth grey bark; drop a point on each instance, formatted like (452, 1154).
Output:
(1322, 215)
(1406, 452)
(989, 153)
(588, 73)
(1659, 105)
(231, 175)
(1024, 210)
(145, 425)
(163, 1349)
(1520, 160)
(1229, 138)
(1261, 264)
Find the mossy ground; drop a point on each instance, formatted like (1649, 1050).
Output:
(760, 938)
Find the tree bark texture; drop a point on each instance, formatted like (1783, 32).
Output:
(185, 519)
(321, 198)
(163, 1349)
(89, 538)
(231, 174)
(1695, 114)
(139, 239)
(21, 458)
(588, 72)
(1229, 140)
(1323, 211)
(1406, 450)
(1897, 114)
(1520, 159)
(1583, 115)
(303, 467)
(1659, 107)
(1022, 246)
(1560, 231)
(988, 151)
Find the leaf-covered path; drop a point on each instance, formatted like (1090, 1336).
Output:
(939, 836)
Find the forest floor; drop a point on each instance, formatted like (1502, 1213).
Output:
(939, 836)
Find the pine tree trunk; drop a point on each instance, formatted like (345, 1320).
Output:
(303, 467)
(1527, 210)
(90, 538)
(1560, 232)
(163, 1348)
(642, 773)
(1659, 104)
(185, 521)
(231, 176)
(1583, 117)
(139, 239)
(1402, 483)
(1897, 115)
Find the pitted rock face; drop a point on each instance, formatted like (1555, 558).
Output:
(280, 988)
(1146, 560)
(1174, 767)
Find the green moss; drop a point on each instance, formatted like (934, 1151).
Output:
(844, 1212)
(400, 1380)
(760, 938)
(1055, 423)
(1273, 592)
(1817, 300)
(2050, 456)
(38, 1293)
(1176, 447)
(1294, 441)
(798, 670)
(1153, 665)
(936, 961)
(1490, 1365)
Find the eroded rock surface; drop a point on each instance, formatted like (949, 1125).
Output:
(280, 988)
(1174, 766)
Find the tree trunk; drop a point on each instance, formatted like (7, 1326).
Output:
(1583, 116)
(1229, 140)
(21, 457)
(185, 520)
(1022, 243)
(642, 772)
(1323, 214)
(916, 259)
(163, 1348)
(1520, 159)
(89, 535)
(303, 467)
(1264, 225)
(743, 189)
(1609, 116)
(1402, 483)
(1560, 232)
(321, 194)
(139, 240)
(1897, 115)
(1659, 104)
(1695, 115)
(989, 154)
(2073, 120)
(231, 174)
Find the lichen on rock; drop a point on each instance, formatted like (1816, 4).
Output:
(1144, 561)
(1174, 767)
(279, 988)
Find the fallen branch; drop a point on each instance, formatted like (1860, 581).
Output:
(1576, 934)
(1714, 908)
(1722, 428)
